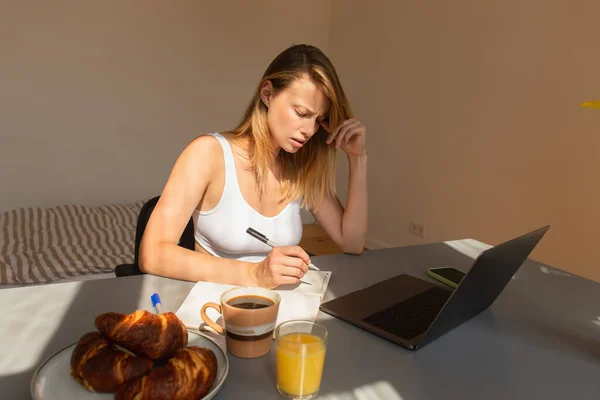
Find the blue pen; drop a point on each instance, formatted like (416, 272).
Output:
(156, 302)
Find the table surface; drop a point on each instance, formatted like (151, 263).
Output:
(540, 339)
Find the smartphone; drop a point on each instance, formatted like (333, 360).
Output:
(448, 275)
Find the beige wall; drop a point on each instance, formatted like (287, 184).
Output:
(471, 107)
(472, 118)
(98, 98)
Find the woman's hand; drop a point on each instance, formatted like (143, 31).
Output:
(349, 136)
(282, 266)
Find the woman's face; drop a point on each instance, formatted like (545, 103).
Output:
(294, 113)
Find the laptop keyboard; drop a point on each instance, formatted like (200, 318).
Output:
(412, 316)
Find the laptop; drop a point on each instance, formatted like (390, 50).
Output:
(413, 312)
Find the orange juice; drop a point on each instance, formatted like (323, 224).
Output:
(300, 358)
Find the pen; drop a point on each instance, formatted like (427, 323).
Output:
(269, 242)
(156, 303)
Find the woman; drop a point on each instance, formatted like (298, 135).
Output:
(280, 158)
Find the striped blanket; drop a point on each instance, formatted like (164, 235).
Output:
(39, 245)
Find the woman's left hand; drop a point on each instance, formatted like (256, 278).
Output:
(349, 136)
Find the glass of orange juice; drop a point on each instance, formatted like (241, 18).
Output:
(300, 354)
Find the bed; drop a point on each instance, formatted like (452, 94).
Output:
(64, 243)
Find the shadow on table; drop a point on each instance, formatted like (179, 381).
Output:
(89, 300)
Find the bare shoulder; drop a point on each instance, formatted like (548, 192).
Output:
(205, 151)
(205, 145)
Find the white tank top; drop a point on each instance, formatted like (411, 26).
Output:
(222, 230)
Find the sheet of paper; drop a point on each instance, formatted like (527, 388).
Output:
(318, 284)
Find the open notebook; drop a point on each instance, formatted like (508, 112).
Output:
(297, 302)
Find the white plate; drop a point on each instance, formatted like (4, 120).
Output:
(53, 379)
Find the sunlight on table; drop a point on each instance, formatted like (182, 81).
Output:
(468, 247)
(381, 390)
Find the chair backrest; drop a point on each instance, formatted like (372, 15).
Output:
(186, 240)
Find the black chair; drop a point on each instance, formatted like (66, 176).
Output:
(186, 240)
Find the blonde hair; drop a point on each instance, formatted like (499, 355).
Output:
(308, 174)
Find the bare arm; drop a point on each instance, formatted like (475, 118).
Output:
(348, 228)
(160, 253)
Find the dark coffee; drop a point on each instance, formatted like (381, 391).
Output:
(250, 302)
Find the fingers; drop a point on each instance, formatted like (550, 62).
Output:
(355, 131)
(294, 272)
(277, 274)
(287, 264)
(343, 133)
(292, 266)
(333, 134)
(296, 251)
(286, 275)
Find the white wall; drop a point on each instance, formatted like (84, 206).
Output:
(472, 120)
(97, 99)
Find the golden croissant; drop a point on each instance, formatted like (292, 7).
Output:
(99, 367)
(144, 333)
(189, 375)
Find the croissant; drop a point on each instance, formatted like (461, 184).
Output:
(144, 333)
(98, 367)
(189, 375)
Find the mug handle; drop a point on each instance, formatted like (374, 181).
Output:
(209, 321)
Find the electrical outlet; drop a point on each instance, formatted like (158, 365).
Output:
(416, 229)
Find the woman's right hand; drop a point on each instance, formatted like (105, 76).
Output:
(282, 266)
